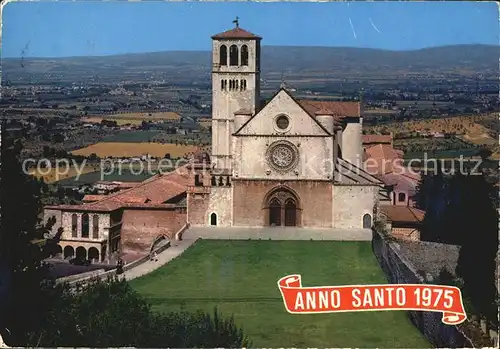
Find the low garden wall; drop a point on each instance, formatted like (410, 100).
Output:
(399, 270)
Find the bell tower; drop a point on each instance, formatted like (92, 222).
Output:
(235, 87)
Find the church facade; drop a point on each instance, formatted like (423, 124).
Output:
(288, 162)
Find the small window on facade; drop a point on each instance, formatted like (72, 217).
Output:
(74, 225)
(213, 219)
(282, 122)
(367, 221)
(85, 225)
(401, 197)
(95, 227)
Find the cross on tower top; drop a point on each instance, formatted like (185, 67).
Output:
(237, 22)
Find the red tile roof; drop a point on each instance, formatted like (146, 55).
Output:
(333, 107)
(402, 214)
(91, 198)
(376, 139)
(236, 33)
(154, 191)
(401, 182)
(383, 151)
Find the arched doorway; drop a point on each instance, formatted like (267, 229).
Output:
(69, 252)
(290, 213)
(275, 212)
(81, 252)
(93, 253)
(367, 221)
(282, 208)
(213, 219)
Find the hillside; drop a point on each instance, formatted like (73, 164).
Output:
(337, 61)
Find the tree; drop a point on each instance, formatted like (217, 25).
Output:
(36, 312)
(24, 276)
(167, 156)
(477, 228)
(461, 210)
(129, 321)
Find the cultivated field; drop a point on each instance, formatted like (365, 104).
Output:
(120, 149)
(240, 279)
(134, 118)
(468, 126)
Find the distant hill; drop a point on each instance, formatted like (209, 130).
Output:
(328, 60)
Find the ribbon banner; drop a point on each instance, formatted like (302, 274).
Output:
(336, 299)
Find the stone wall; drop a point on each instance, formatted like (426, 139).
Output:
(411, 234)
(351, 203)
(399, 270)
(430, 257)
(315, 199)
(141, 227)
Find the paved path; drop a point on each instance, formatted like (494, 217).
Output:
(278, 233)
(175, 250)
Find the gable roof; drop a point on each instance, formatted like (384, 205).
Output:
(295, 100)
(352, 109)
(402, 214)
(236, 33)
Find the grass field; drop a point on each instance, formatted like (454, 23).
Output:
(132, 136)
(57, 174)
(134, 118)
(123, 149)
(124, 175)
(240, 278)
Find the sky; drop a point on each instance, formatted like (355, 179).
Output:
(95, 28)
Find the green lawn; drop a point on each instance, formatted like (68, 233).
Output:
(240, 278)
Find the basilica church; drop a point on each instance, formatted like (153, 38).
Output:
(290, 162)
(286, 163)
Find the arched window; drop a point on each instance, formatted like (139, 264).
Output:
(235, 84)
(85, 225)
(244, 55)
(213, 219)
(367, 221)
(223, 55)
(74, 225)
(401, 197)
(222, 85)
(95, 227)
(233, 55)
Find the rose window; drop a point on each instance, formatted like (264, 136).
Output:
(282, 156)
